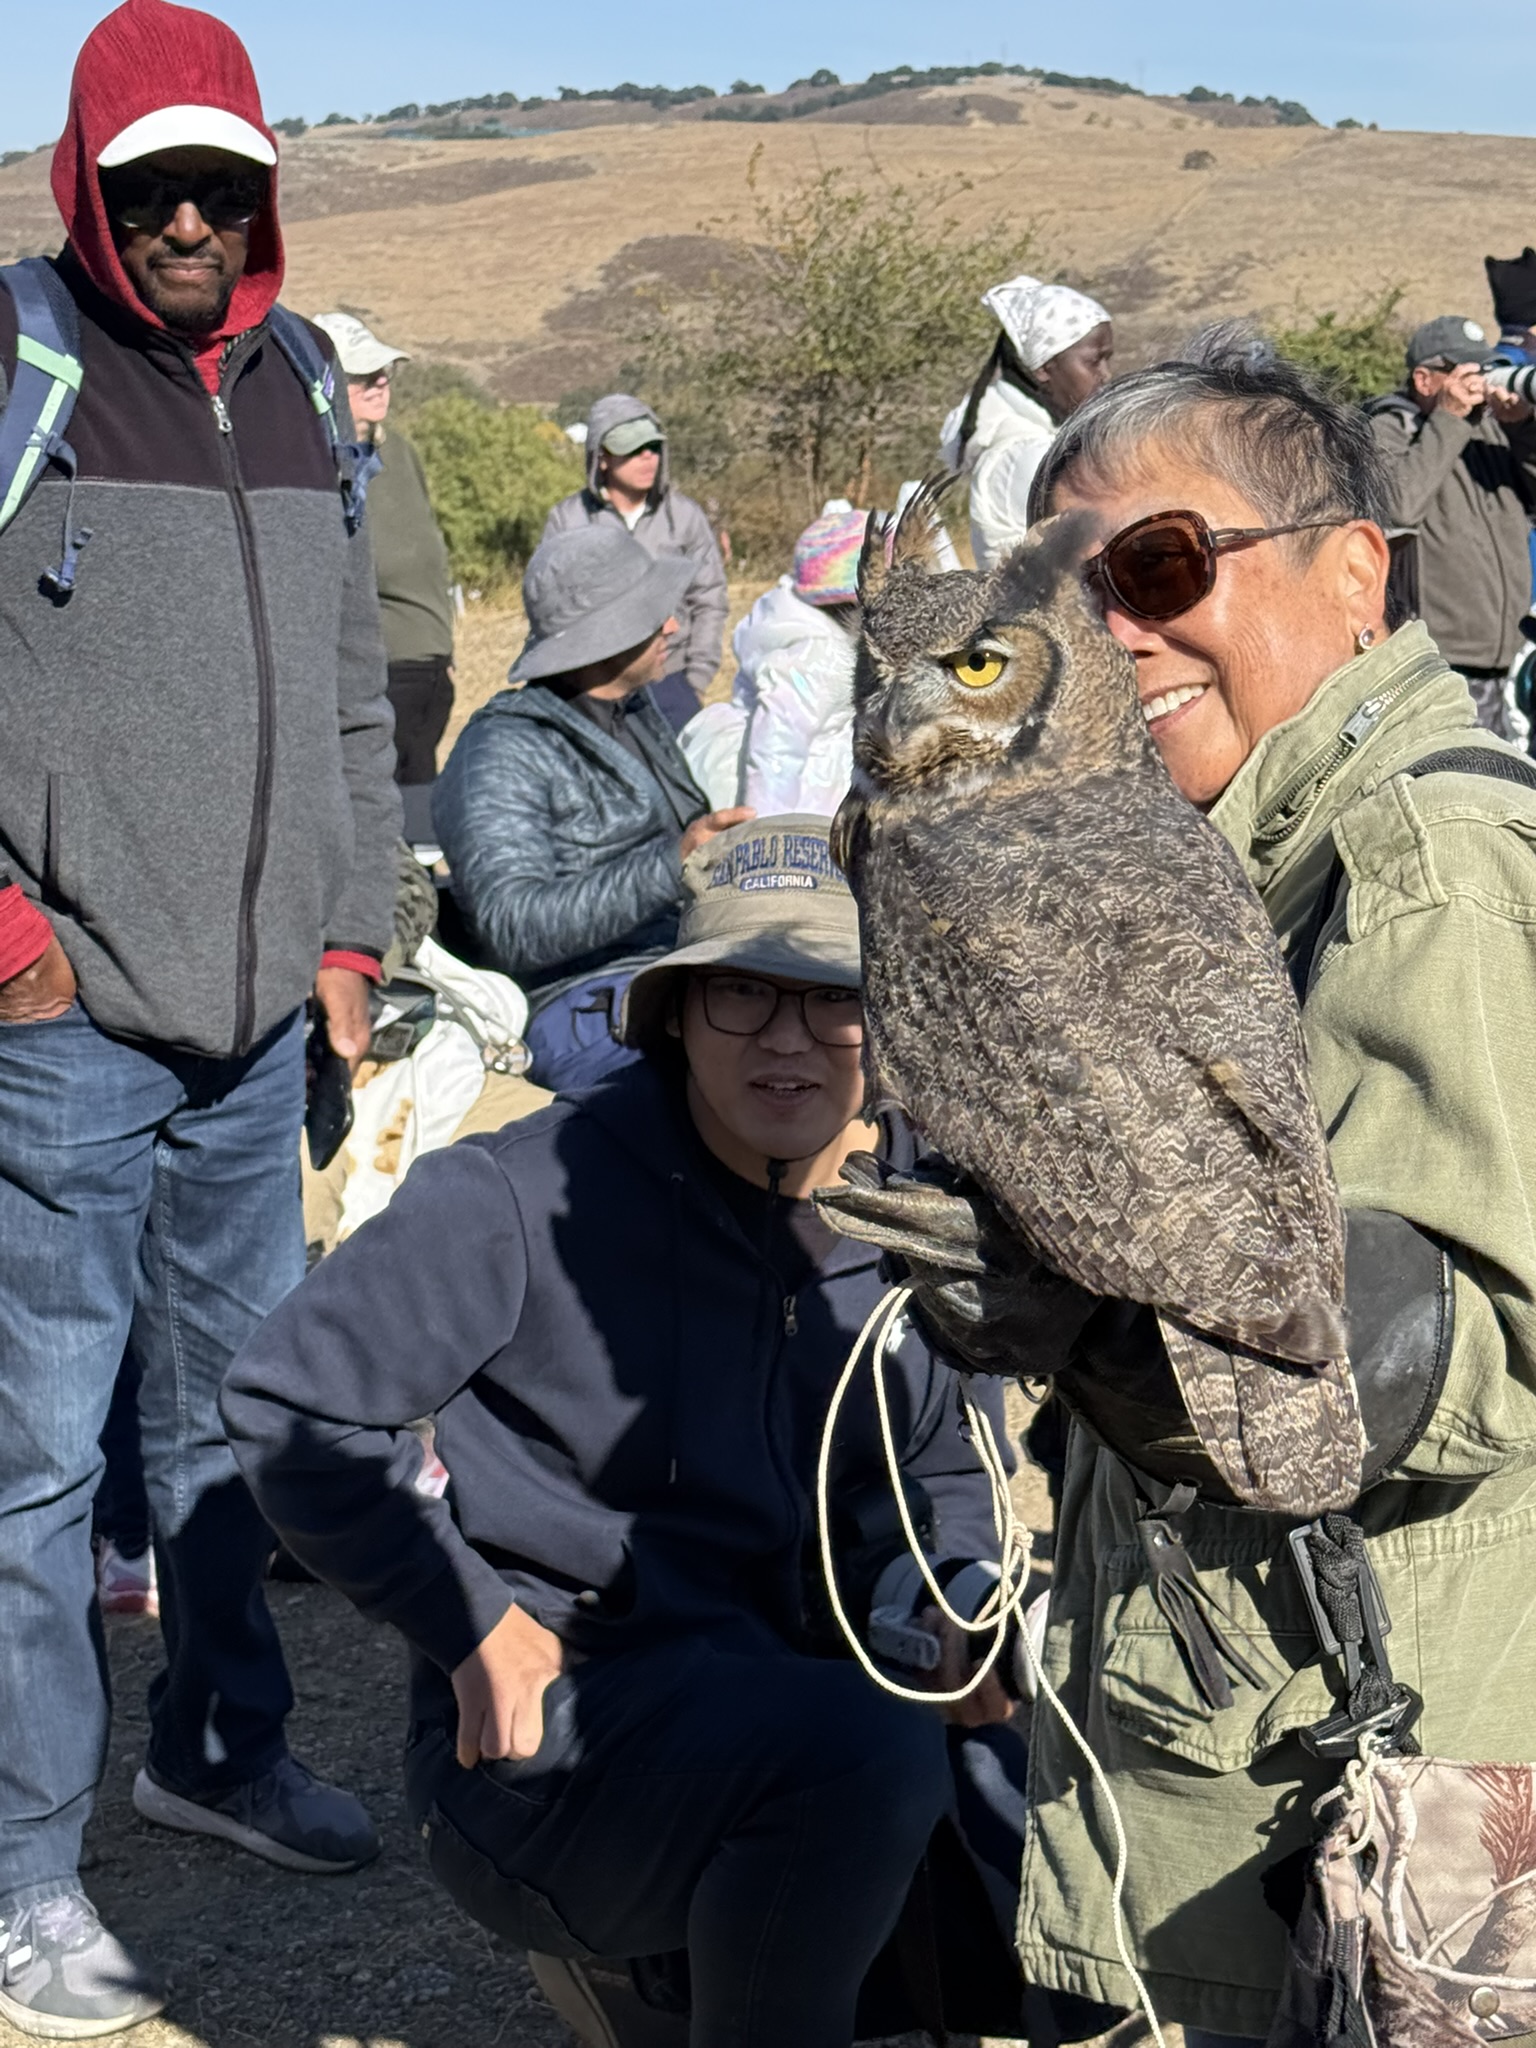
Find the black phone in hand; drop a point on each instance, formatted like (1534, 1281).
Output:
(327, 1092)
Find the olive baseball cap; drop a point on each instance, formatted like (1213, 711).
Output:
(1449, 339)
(766, 897)
(629, 435)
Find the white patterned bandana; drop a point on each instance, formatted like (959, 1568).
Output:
(1042, 319)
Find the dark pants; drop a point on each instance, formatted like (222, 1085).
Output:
(676, 699)
(422, 695)
(763, 1811)
(149, 1206)
(1487, 687)
(121, 1514)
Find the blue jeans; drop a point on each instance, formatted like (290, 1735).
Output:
(149, 1207)
(762, 1810)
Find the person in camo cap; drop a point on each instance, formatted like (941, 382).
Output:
(629, 484)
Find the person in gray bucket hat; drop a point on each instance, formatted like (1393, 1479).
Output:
(566, 810)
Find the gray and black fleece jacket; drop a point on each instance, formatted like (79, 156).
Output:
(196, 750)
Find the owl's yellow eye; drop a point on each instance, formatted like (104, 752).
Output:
(978, 668)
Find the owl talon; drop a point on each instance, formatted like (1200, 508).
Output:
(914, 1214)
(981, 1298)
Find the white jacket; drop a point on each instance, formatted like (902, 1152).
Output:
(1001, 457)
(785, 740)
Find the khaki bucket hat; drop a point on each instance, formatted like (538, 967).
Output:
(766, 897)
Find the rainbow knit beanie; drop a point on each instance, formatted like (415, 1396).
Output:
(827, 555)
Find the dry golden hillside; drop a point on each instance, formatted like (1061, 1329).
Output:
(520, 258)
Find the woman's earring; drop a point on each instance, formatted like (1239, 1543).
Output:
(1366, 637)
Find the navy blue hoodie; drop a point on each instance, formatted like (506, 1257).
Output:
(630, 1412)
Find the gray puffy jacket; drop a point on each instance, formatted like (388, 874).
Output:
(563, 845)
(670, 525)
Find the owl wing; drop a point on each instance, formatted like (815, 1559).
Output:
(1128, 1084)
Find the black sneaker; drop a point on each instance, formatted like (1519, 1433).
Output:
(63, 1977)
(288, 1818)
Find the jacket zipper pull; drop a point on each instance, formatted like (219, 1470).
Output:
(221, 415)
(1357, 727)
(791, 1320)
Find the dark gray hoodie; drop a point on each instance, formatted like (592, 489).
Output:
(670, 525)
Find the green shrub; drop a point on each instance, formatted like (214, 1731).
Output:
(493, 473)
(821, 355)
(1360, 354)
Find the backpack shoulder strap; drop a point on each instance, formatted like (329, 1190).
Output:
(42, 398)
(1492, 762)
(1489, 761)
(356, 466)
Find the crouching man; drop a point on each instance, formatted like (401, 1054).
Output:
(631, 1732)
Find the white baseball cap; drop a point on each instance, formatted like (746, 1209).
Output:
(186, 127)
(359, 351)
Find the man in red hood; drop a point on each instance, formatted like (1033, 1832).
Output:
(197, 828)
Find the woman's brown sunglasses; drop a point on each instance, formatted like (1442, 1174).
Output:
(1164, 565)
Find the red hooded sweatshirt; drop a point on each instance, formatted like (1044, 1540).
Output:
(145, 56)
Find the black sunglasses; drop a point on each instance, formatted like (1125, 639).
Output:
(147, 201)
(1164, 565)
(741, 1006)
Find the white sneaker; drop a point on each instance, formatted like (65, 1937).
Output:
(125, 1585)
(63, 1977)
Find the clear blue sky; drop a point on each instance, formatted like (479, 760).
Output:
(1415, 64)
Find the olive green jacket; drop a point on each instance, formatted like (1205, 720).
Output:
(1420, 1024)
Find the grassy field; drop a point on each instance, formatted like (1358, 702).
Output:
(527, 260)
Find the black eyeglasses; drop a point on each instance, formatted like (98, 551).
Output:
(147, 201)
(1164, 565)
(742, 1006)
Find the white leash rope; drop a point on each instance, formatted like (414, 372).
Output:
(1015, 1546)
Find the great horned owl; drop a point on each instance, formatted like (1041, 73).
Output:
(1075, 993)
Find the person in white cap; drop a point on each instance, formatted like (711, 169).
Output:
(1053, 350)
(198, 821)
(410, 559)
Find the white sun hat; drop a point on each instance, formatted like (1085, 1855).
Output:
(358, 349)
(183, 128)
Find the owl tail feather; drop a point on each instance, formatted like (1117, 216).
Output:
(1312, 1333)
(1284, 1439)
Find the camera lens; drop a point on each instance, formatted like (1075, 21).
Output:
(1518, 379)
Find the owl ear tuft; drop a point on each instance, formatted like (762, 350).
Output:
(921, 524)
(874, 559)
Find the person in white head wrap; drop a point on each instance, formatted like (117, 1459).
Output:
(1053, 350)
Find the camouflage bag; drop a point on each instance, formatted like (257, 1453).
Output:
(1418, 1929)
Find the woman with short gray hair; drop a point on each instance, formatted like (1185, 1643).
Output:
(1239, 556)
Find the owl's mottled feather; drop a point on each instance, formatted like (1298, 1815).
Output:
(1075, 992)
